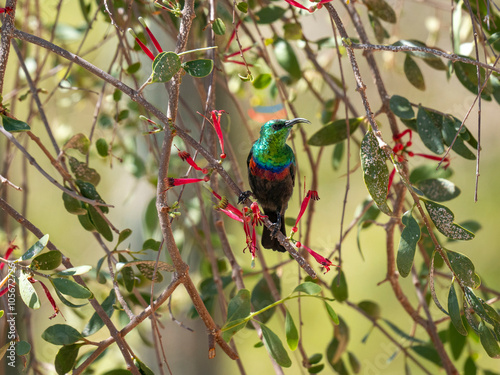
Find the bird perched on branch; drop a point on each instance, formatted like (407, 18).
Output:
(271, 174)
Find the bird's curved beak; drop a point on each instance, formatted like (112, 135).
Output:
(297, 120)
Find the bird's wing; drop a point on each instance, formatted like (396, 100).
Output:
(292, 172)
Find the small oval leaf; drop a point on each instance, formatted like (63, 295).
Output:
(198, 68)
(275, 347)
(334, 132)
(339, 287)
(375, 171)
(286, 57)
(413, 73)
(438, 189)
(165, 66)
(429, 131)
(47, 261)
(464, 269)
(401, 107)
(71, 288)
(408, 243)
(61, 334)
(442, 217)
(292, 335)
(454, 311)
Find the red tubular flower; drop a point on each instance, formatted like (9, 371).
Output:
(216, 123)
(319, 258)
(6, 289)
(186, 156)
(155, 42)
(49, 297)
(146, 50)
(296, 4)
(9, 251)
(171, 182)
(228, 205)
(7, 10)
(257, 218)
(391, 179)
(311, 194)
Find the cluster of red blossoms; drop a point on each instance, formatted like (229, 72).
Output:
(8, 253)
(400, 149)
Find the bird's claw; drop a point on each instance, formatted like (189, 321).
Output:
(244, 196)
(275, 227)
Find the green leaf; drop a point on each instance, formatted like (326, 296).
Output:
(449, 129)
(71, 288)
(23, 347)
(292, 335)
(78, 142)
(331, 312)
(68, 303)
(467, 75)
(413, 73)
(457, 341)
(100, 224)
(438, 189)
(242, 6)
(371, 308)
(134, 68)
(198, 68)
(463, 268)
(262, 297)
(83, 172)
(66, 358)
(47, 261)
(165, 66)
(219, 27)
(293, 31)
(401, 333)
(428, 352)
(86, 223)
(354, 363)
(102, 147)
(88, 190)
(286, 58)
(237, 310)
(429, 131)
(334, 132)
(488, 341)
(27, 291)
(262, 81)
(316, 369)
(36, 248)
(61, 334)
(147, 267)
(401, 107)
(143, 368)
(381, 9)
(470, 366)
(308, 287)
(428, 171)
(268, 14)
(442, 217)
(127, 274)
(73, 205)
(122, 115)
(13, 126)
(454, 311)
(375, 171)
(315, 358)
(151, 244)
(379, 30)
(337, 155)
(275, 347)
(339, 287)
(95, 323)
(408, 243)
(124, 234)
(79, 270)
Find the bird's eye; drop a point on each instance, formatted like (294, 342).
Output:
(278, 125)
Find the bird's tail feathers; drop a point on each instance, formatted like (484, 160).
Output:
(268, 242)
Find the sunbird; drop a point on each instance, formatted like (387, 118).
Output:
(271, 175)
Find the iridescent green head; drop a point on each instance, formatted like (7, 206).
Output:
(277, 131)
